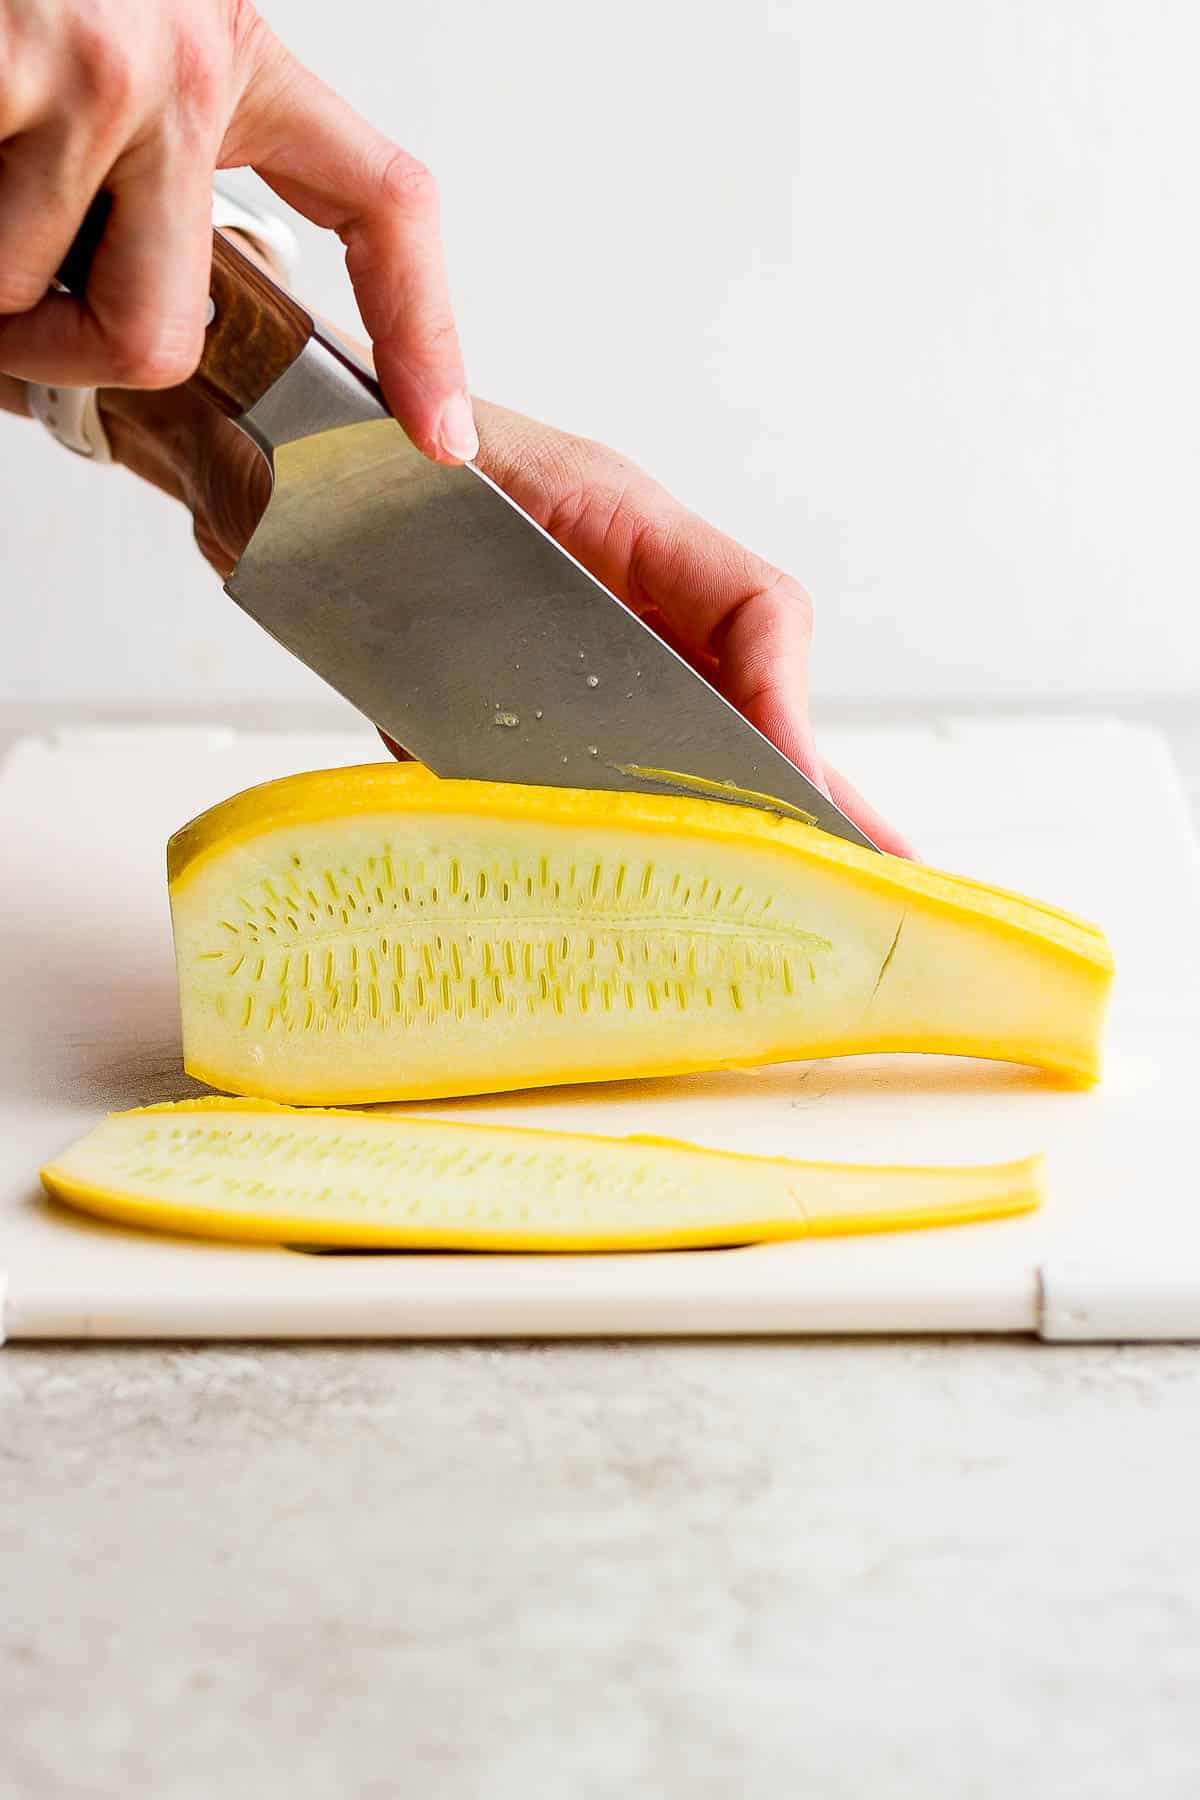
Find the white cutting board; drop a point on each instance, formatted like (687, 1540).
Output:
(1088, 815)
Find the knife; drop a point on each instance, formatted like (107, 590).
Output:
(435, 605)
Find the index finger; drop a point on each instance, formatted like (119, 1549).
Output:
(327, 162)
(718, 601)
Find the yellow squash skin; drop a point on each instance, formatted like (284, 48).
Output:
(377, 934)
(247, 1169)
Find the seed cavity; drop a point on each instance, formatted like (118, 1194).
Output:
(484, 937)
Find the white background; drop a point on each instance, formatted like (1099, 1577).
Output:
(904, 295)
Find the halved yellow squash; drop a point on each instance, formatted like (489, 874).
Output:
(249, 1169)
(375, 933)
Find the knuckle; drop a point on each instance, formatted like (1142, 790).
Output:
(20, 94)
(105, 70)
(659, 541)
(407, 184)
(256, 54)
(150, 354)
(786, 592)
(617, 482)
(20, 289)
(440, 337)
(599, 491)
(198, 78)
(245, 25)
(602, 460)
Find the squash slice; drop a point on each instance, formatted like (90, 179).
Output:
(377, 934)
(248, 1169)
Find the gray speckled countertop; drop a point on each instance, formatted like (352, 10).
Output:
(681, 1571)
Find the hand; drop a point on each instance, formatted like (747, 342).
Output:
(741, 622)
(144, 102)
(744, 624)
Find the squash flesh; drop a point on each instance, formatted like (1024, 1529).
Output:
(377, 934)
(250, 1170)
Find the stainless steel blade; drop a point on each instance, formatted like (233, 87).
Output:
(451, 619)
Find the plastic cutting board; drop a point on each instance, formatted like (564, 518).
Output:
(88, 1015)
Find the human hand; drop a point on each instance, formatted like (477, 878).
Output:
(742, 623)
(144, 102)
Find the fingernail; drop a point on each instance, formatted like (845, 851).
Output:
(457, 434)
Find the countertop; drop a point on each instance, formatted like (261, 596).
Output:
(679, 1570)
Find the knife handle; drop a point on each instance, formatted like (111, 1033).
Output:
(255, 334)
(256, 330)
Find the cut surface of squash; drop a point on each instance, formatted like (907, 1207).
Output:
(377, 934)
(247, 1169)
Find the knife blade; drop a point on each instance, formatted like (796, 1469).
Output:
(440, 609)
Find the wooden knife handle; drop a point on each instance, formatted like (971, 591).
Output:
(256, 331)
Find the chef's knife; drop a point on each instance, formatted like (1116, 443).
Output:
(435, 605)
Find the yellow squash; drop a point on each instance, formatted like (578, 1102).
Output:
(374, 934)
(248, 1169)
